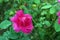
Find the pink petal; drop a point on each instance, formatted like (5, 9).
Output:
(28, 15)
(14, 18)
(28, 19)
(27, 29)
(20, 13)
(16, 28)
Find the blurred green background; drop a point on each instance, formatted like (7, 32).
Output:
(44, 19)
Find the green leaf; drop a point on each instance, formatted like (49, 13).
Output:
(9, 13)
(6, 0)
(41, 19)
(1, 1)
(10, 35)
(57, 26)
(38, 25)
(46, 6)
(5, 24)
(52, 10)
(26, 11)
(18, 1)
(26, 37)
(47, 23)
(15, 5)
(3, 38)
(43, 13)
(37, 1)
(34, 15)
(56, 1)
(42, 33)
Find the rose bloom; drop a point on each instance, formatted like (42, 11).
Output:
(22, 22)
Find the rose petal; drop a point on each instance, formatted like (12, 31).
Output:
(28, 15)
(20, 13)
(27, 29)
(14, 18)
(28, 19)
(16, 28)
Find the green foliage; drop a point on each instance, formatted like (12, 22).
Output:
(10, 35)
(52, 10)
(47, 23)
(1, 1)
(37, 2)
(57, 26)
(5, 24)
(38, 25)
(3, 38)
(43, 13)
(46, 6)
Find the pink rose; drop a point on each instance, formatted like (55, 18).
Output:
(22, 22)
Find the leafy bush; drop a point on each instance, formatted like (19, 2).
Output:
(44, 16)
